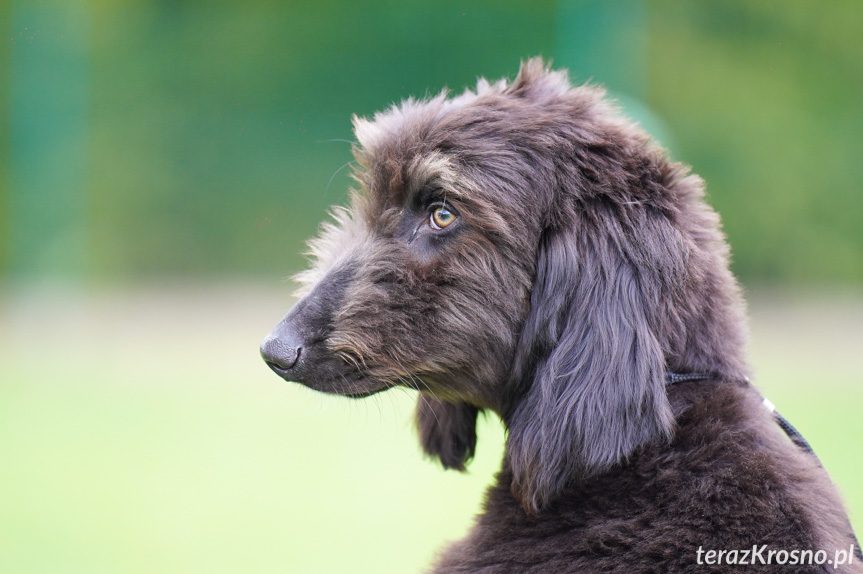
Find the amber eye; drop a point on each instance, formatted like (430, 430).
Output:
(441, 217)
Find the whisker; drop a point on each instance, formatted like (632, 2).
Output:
(332, 177)
(416, 386)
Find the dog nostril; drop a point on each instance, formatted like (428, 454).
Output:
(285, 363)
(279, 356)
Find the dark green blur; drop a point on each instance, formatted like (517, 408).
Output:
(188, 138)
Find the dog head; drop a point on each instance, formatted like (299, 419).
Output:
(519, 248)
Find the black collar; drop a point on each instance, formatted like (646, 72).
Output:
(672, 378)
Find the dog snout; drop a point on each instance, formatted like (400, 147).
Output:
(291, 346)
(296, 349)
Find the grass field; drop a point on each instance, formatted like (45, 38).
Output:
(140, 432)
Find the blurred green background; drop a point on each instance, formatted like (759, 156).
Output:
(163, 161)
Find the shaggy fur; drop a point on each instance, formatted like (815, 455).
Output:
(581, 266)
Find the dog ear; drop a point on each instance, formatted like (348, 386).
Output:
(447, 431)
(594, 366)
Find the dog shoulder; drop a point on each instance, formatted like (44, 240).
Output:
(729, 480)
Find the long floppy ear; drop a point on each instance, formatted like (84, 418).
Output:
(594, 366)
(447, 431)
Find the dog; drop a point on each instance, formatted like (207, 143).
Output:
(523, 249)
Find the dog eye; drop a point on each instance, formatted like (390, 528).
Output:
(441, 217)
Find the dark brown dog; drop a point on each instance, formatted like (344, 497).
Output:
(524, 249)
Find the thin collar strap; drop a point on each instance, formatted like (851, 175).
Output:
(672, 378)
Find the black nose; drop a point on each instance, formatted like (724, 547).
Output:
(281, 355)
(297, 348)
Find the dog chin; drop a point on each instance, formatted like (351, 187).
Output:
(334, 380)
(362, 394)
(353, 389)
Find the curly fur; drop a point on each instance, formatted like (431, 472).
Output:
(583, 265)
